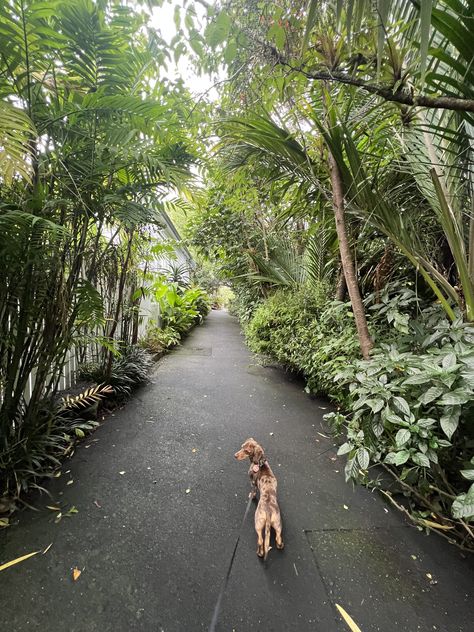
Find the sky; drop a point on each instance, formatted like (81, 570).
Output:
(162, 19)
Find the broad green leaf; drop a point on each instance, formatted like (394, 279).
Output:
(454, 398)
(401, 457)
(449, 425)
(402, 436)
(363, 458)
(418, 378)
(463, 506)
(230, 52)
(449, 360)
(402, 405)
(431, 394)
(421, 459)
(469, 474)
(344, 449)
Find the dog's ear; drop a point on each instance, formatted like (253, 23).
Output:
(258, 454)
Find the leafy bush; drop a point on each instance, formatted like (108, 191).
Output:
(308, 334)
(411, 409)
(180, 309)
(35, 450)
(129, 370)
(159, 340)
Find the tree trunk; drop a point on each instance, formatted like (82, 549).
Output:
(123, 278)
(365, 340)
(341, 287)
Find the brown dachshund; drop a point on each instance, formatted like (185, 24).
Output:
(262, 478)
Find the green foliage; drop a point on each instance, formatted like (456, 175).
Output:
(180, 309)
(308, 333)
(411, 409)
(34, 453)
(159, 340)
(129, 369)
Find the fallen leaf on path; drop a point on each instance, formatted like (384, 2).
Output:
(323, 435)
(70, 482)
(345, 506)
(76, 573)
(72, 511)
(53, 508)
(194, 450)
(413, 557)
(58, 518)
(122, 473)
(97, 504)
(17, 560)
(436, 525)
(4, 522)
(429, 575)
(188, 490)
(271, 434)
(348, 619)
(57, 474)
(47, 548)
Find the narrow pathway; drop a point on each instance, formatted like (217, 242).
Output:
(160, 500)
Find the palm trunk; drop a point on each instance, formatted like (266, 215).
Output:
(365, 340)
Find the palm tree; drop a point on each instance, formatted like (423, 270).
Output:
(81, 176)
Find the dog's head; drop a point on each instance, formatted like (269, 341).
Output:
(252, 450)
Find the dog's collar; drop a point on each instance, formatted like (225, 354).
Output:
(258, 466)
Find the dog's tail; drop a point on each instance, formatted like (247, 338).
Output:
(268, 528)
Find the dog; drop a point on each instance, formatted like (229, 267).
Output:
(262, 479)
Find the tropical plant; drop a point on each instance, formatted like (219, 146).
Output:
(84, 170)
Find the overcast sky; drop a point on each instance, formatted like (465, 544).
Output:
(162, 19)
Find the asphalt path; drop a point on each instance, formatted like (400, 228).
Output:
(160, 500)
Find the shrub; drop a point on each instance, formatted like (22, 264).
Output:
(308, 334)
(160, 340)
(35, 450)
(129, 369)
(180, 309)
(411, 407)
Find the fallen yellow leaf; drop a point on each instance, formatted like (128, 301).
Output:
(348, 619)
(53, 508)
(435, 525)
(76, 573)
(47, 548)
(17, 561)
(4, 522)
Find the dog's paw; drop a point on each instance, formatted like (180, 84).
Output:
(280, 546)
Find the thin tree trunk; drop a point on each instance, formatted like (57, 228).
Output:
(123, 277)
(341, 287)
(365, 340)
